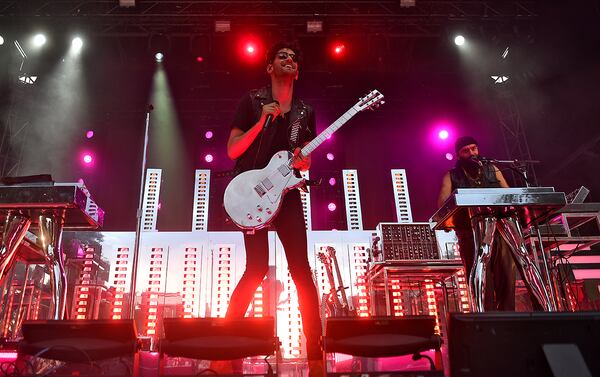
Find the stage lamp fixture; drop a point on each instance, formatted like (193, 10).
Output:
(222, 26)
(499, 79)
(314, 26)
(39, 40)
(459, 40)
(76, 44)
(159, 56)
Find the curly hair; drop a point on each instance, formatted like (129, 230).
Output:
(272, 52)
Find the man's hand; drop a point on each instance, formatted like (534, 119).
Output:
(270, 108)
(299, 161)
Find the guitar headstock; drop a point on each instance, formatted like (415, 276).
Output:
(372, 100)
(323, 258)
(331, 251)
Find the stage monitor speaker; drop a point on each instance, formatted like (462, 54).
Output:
(219, 338)
(524, 344)
(380, 336)
(79, 340)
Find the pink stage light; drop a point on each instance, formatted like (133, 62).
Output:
(329, 137)
(208, 134)
(332, 181)
(250, 49)
(159, 206)
(208, 158)
(449, 156)
(80, 181)
(330, 156)
(443, 134)
(89, 134)
(331, 207)
(199, 59)
(87, 158)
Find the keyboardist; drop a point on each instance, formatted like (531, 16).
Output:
(471, 172)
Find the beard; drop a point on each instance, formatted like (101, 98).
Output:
(471, 165)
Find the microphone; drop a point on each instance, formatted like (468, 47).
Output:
(269, 119)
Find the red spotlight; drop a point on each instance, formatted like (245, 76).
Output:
(338, 49)
(199, 59)
(251, 48)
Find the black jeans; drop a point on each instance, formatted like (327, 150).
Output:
(292, 233)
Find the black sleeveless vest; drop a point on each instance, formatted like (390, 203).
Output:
(488, 178)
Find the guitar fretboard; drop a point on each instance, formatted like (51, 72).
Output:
(308, 148)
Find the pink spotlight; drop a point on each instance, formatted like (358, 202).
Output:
(443, 134)
(250, 49)
(87, 158)
(332, 181)
(329, 137)
(159, 206)
(449, 156)
(89, 134)
(80, 181)
(208, 158)
(208, 135)
(331, 207)
(330, 156)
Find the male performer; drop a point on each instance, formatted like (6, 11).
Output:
(269, 120)
(471, 172)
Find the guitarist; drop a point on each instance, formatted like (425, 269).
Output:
(266, 121)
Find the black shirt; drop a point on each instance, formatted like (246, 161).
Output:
(258, 157)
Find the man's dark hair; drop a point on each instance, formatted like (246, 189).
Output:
(272, 52)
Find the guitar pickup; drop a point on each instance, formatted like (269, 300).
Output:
(267, 184)
(260, 190)
(284, 170)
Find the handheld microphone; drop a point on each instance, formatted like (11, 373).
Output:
(269, 118)
(268, 121)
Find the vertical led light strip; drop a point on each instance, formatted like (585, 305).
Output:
(432, 304)
(396, 298)
(82, 289)
(352, 199)
(154, 283)
(224, 279)
(463, 292)
(258, 301)
(358, 267)
(151, 199)
(401, 197)
(190, 278)
(119, 281)
(201, 200)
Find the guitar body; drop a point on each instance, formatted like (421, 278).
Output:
(253, 198)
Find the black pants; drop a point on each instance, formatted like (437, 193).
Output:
(501, 275)
(292, 233)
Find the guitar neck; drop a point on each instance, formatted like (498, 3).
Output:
(308, 148)
(340, 281)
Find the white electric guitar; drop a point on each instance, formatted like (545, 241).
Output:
(252, 199)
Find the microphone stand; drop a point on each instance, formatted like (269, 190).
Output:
(138, 228)
(518, 166)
